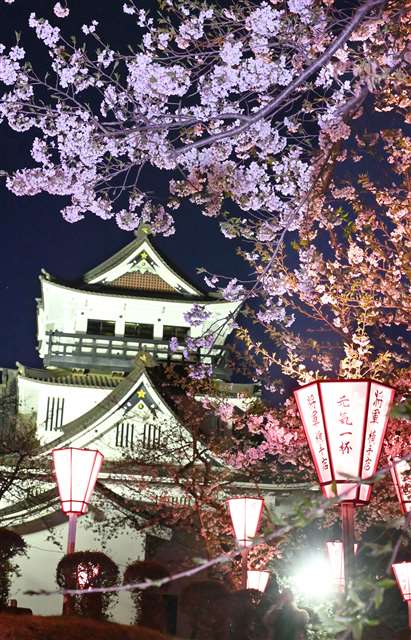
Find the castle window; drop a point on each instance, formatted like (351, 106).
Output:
(54, 414)
(174, 332)
(151, 436)
(101, 327)
(134, 330)
(125, 434)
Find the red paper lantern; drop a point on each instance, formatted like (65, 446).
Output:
(76, 473)
(336, 557)
(245, 516)
(402, 572)
(345, 423)
(257, 580)
(401, 476)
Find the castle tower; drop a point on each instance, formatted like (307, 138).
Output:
(104, 342)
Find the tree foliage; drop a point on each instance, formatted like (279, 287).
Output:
(11, 545)
(83, 570)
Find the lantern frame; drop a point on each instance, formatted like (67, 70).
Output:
(358, 493)
(402, 572)
(404, 497)
(76, 504)
(335, 551)
(246, 540)
(257, 580)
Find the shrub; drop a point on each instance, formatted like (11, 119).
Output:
(85, 569)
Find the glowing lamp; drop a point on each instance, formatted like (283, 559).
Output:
(85, 574)
(345, 423)
(245, 516)
(402, 572)
(336, 558)
(401, 476)
(76, 473)
(257, 580)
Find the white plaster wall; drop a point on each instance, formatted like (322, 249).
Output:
(33, 395)
(68, 310)
(38, 570)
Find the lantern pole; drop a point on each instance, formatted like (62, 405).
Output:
(244, 567)
(71, 545)
(72, 528)
(347, 517)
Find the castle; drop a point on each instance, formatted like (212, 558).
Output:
(96, 339)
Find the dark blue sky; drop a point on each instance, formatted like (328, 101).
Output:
(33, 234)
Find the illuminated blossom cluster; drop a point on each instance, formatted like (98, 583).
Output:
(280, 436)
(179, 102)
(200, 371)
(61, 11)
(196, 315)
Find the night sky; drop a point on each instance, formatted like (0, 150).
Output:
(33, 233)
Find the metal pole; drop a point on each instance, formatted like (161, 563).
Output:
(71, 545)
(347, 516)
(244, 567)
(72, 527)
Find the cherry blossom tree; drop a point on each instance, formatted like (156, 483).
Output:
(242, 104)
(256, 113)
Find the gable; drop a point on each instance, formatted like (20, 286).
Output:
(140, 267)
(133, 411)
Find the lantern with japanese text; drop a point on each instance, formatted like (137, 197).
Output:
(401, 477)
(245, 516)
(257, 580)
(345, 423)
(336, 558)
(402, 572)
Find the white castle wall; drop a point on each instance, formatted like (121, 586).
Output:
(67, 310)
(38, 569)
(33, 396)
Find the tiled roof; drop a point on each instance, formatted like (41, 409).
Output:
(57, 376)
(141, 282)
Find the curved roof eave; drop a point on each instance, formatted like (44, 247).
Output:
(108, 405)
(109, 294)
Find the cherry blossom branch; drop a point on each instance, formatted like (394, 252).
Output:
(309, 71)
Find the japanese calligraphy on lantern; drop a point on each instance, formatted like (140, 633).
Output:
(345, 422)
(379, 405)
(401, 477)
(309, 405)
(344, 412)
